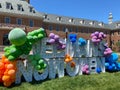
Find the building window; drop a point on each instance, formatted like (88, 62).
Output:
(19, 21)
(50, 28)
(57, 28)
(5, 40)
(76, 30)
(59, 18)
(64, 29)
(20, 8)
(0, 5)
(31, 23)
(45, 16)
(70, 29)
(9, 6)
(32, 10)
(7, 20)
(82, 22)
(70, 20)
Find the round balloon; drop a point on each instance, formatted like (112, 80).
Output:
(17, 36)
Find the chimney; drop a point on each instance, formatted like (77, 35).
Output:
(110, 18)
(28, 1)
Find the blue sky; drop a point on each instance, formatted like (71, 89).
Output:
(88, 9)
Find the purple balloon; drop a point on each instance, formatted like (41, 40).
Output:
(104, 35)
(92, 35)
(51, 35)
(105, 53)
(51, 41)
(96, 33)
(56, 37)
(95, 37)
(63, 46)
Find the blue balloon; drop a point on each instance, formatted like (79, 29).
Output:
(110, 68)
(82, 41)
(107, 65)
(73, 37)
(98, 70)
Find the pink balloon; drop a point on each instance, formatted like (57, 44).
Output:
(83, 69)
(51, 35)
(87, 71)
(86, 66)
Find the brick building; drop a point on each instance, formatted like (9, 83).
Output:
(19, 13)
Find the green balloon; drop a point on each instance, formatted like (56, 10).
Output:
(11, 58)
(40, 62)
(38, 67)
(45, 65)
(6, 48)
(17, 36)
(40, 36)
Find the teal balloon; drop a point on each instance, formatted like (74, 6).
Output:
(17, 37)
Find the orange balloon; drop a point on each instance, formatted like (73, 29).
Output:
(72, 64)
(7, 84)
(10, 66)
(6, 78)
(1, 65)
(11, 72)
(67, 60)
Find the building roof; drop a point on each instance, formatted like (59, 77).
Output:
(19, 8)
(51, 18)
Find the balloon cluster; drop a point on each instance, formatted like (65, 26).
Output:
(37, 61)
(97, 37)
(22, 44)
(73, 38)
(68, 59)
(82, 42)
(85, 69)
(111, 63)
(55, 39)
(7, 71)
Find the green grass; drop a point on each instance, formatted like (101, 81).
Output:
(103, 81)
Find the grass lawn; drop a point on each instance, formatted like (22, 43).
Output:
(103, 81)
